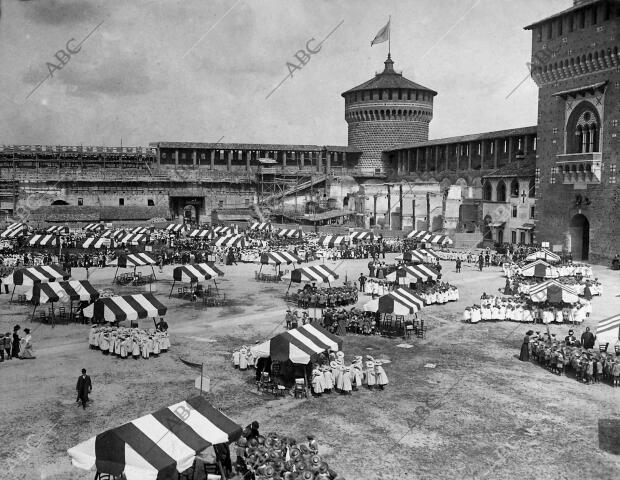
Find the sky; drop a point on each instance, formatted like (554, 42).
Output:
(204, 70)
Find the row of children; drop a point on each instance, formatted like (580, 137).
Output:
(128, 342)
(346, 378)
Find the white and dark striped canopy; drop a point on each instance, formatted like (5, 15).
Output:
(300, 345)
(97, 242)
(331, 240)
(362, 236)
(543, 254)
(221, 231)
(135, 260)
(231, 241)
(51, 240)
(276, 258)
(260, 226)
(412, 274)
(93, 227)
(401, 301)
(133, 238)
(197, 272)
(420, 255)
(202, 233)
(428, 237)
(554, 292)
(176, 227)
(115, 234)
(63, 292)
(14, 230)
(128, 307)
(157, 446)
(57, 229)
(32, 275)
(290, 233)
(539, 268)
(317, 273)
(137, 230)
(608, 330)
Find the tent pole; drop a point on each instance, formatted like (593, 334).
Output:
(33, 310)
(13, 293)
(202, 367)
(115, 273)
(216, 289)
(172, 288)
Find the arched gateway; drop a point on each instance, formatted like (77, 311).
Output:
(580, 237)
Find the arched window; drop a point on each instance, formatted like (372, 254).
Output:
(487, 191)
(532, 188)
(501, 192)
(514, 188)
(584, 124)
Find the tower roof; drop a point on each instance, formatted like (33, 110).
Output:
(389, 78)
(577, 5)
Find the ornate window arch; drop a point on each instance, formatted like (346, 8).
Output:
(514, 188)
(583, 129)
(487, 191)
(501, 191)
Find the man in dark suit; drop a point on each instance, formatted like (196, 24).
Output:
(588, 339)
(571, 339)
(83, 387)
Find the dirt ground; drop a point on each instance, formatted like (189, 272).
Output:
(479, 414)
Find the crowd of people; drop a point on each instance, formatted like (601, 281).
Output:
(12, 346)
(336, 376)
(124, 342)
(312, 297)
(342, 321)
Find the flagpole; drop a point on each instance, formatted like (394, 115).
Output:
(389, 34)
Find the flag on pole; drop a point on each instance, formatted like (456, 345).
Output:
(383, 35)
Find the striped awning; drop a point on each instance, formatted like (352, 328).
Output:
(133, 238)
(276, 258)
(97, 242)
(365, 236)
(51, 240)
(260, 226)
(543, 254)
(429, 237)
(196, 273)
(135, 260)
(157, 446)
(14, 230)
(419, 255)
(331, 240)
(300, 345)
(318, 273)
(64, 292)
(176, 227)
(290, 233)
(221, 231)
(128, 307)
(412, 274)
(554, 292)
(138, 230)
(115, 234)
(231, 241)
(57, 229)
(93, 227)
(539, 268)
(202, 233)
(608, 330)
(32, 275)
(401, 301)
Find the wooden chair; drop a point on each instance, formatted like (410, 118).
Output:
(265, 384)
(299, 390)
(21, 298)
(62, 315)
(408, 331)
(42, 317)
(421, 333)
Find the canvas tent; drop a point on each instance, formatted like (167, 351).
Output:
(419, 255)
(412, 274)
(428, 237)
(543, 254)
(362, 236)
(195, 273)
(128, 307)
(62, 292)
(553, 291)
(608, 330)
(401, 301)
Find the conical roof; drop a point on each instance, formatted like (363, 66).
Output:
(389, 78)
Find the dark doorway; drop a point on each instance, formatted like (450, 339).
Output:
(580, 237)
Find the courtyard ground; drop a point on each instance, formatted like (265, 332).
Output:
(479, 414)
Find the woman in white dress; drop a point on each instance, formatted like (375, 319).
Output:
(475, 314)
(382, 379)
(485, 312)
(467, 315)
(371, 378)
(317, 382)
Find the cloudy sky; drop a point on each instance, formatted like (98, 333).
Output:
(197, 70)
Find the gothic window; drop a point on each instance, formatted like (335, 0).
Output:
(583, 130)
(487, 191)
(514, 188)
(501, 192)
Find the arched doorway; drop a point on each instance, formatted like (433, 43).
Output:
(189, 214)
(580, 237)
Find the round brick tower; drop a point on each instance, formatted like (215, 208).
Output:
(384, 111)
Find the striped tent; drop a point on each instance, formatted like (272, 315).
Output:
(176, 227)
(14, 230)
(115, 234)
(554, 292)
(401, 301)
(128, 307)
(157, 446)
(420, 255)
(133, 238)
(57, 229)
(608, 330)
(276, 258)
(202, 233)
(37, 240)
(93, 227)
(32, 275)
(290, 233)
(260, 226)
(543, 254)
(317, 273)
(224, 231)
(362, 236)
(97, 242)
(539, 268)
(63, 292)
(412, 274)
(428, 237)
(197, 272)
(331, 240)
(138, 230)
(135, 260)
(231, 241)
(300, 345)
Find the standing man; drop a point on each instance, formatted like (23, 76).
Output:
(570, 339)
(480, 262)
(362, 282)
(587, 339)
(84, 387)
(458, 265)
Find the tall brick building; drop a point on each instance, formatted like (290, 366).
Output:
(384, 111)
(577, 68)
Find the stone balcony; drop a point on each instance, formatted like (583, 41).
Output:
(580, 169)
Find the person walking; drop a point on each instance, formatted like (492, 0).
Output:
(480, 262)
(84, 387)
(458, 265)
(16, 340)
(362, 282)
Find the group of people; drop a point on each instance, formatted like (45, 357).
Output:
(126, 342)
(588, 366)
(342, 321)
(16, 347)
(343, 379)
(326, 297)
(521, 309)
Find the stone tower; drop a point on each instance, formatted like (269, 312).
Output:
(384, 111)
(576, 64)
